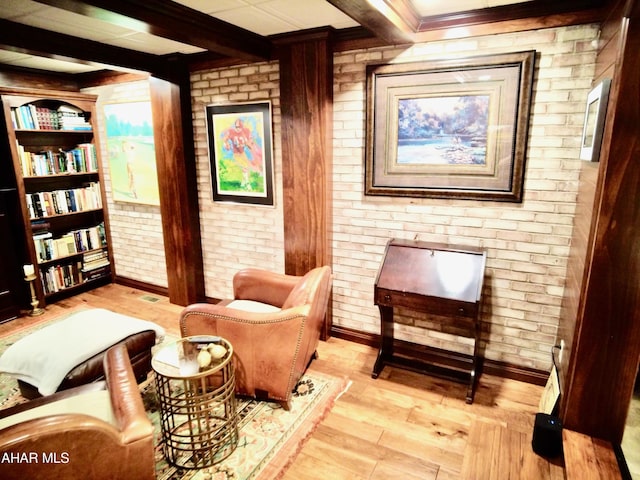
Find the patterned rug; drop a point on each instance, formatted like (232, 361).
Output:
(269, 436)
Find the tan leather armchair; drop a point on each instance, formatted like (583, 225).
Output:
(273, 323)
(112, 439)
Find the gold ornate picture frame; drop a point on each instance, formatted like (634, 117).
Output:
(449, 128)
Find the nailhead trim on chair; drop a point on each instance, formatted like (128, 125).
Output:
(260, 322)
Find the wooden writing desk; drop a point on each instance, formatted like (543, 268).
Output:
(439, 279)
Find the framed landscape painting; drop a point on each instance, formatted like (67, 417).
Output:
(449, 128)
(240, 152)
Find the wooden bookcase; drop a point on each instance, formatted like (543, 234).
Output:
(55, 152)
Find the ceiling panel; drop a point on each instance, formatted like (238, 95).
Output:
(256, 20)
(308, 14)
(42, 16)
(427, 8)
(12, 9)
(69, 23)
(264, 17)
(270, 17)
(143, 42)
(42, 63)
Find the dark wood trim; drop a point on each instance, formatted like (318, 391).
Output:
(47, 43)
(20, 77)
(357, 37)
(306, 72)
(155, 289)
(402, 25)
(606, 346)
(176, 22)
(306, 99)
(396, 25)
(108, 77)
(507, 13)
(446, 358)
(147, 287)
(177, 182)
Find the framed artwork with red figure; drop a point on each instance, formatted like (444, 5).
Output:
(240, 152)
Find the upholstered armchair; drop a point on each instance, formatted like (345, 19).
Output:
(97, 431)
(273, 323)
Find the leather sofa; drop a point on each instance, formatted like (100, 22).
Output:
(273, 323)
(98, 431)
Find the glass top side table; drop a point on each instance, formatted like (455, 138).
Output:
(197, 404)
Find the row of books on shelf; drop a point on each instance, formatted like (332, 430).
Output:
(80, 159)
(36, 117)
(58, 202)
(60, 277)
(71, 243)
(94, 261)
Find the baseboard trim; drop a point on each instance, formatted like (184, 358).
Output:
(449, 359)
(147, 287)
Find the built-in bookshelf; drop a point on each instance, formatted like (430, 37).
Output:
(56, 161)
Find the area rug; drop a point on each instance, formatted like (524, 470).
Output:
(269, 436)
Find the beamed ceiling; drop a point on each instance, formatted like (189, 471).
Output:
(81, 36)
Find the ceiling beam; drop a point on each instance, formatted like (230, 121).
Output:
(504, 13)
(394, 21)
(59, 46)
(176, 22)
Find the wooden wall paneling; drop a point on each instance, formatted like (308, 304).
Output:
(23, 78)
(576, 265)
(177, 182)
(306, 72)
(579, 261)
(607, 338)
(580, 256)
(607, 55)
(306, 97)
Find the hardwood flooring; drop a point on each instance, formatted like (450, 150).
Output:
(401, 425)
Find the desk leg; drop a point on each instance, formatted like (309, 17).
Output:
(386, 340)
(474, 364)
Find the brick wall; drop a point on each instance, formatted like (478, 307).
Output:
(527, 243)
(136, 229)
(236, 236)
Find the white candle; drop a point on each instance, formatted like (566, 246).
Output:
(28, 270)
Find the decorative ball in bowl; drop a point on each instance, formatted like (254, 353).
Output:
(210, 355)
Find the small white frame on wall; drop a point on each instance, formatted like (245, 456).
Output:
(594, 119)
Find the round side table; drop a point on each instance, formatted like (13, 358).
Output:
(197, 405)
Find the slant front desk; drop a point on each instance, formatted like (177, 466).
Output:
(437, 279)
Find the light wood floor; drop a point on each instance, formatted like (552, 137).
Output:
(402, 425)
